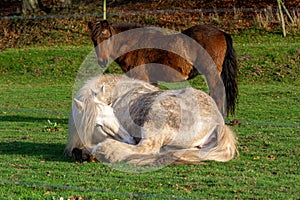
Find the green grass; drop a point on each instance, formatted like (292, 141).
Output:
(36, 86)
(267, 57)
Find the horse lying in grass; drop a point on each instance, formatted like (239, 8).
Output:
(142, 62)
(147, 126)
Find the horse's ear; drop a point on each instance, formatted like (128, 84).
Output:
(102, 89)
(98, 95)
(91, 25)
(93, 93)
(105, 24)
(78, 104)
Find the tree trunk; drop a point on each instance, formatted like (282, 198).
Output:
(29, 6)
(66, 3)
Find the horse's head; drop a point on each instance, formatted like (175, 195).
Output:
(102, 117)
(102, 31)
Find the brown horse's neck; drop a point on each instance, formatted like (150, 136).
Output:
(120, 28)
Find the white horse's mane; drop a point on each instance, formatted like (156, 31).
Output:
(89, 115)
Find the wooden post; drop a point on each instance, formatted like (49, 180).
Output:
(104, 9)
(286, 11)
(281, 18)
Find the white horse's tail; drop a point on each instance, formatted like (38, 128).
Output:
(224, 150)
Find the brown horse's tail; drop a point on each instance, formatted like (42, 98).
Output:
(229, 75)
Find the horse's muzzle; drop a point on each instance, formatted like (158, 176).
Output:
(102, 63)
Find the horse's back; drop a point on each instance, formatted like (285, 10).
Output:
(180, 117)
(211, 39)
(202, 105)
(169, 111)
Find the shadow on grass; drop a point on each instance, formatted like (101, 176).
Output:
(20, 118)
(49, 151)
(44, 151)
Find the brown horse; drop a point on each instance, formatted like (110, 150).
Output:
(143, 63)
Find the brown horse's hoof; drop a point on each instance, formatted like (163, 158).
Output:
(234, 122)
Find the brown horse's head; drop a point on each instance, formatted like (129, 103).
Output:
(102, 31)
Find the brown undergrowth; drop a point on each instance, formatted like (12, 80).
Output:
(69, 25)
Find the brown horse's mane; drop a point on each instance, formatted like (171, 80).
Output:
(121, 27)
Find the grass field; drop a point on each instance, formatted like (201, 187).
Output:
(36, 93)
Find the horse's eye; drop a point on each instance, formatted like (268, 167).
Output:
(99, 125)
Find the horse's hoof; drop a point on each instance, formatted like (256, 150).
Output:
(81, 155)
(93, 159)
(234, 122)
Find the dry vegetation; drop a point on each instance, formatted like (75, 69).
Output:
(68, 25)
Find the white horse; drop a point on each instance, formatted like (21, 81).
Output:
(172, 125)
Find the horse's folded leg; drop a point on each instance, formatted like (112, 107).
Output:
(141, 159)
(157, 159)
(188, 156)
(111, 151)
